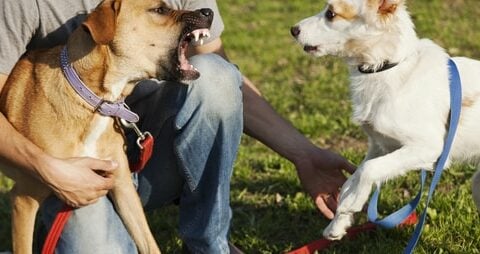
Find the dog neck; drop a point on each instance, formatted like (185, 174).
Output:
(369, 69)
(387, 45)
(96, 66)
(103, 106)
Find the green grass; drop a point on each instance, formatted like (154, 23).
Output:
(271, 213)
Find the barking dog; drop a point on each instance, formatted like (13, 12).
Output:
(119, 44)
(400, 94)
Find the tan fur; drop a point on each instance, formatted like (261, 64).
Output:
(384, 7)
(120, 41)
(470, 101)
(344, 10)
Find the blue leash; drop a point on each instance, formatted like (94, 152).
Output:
(399, 216)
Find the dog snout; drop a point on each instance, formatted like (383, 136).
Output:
(295, 31)
(201, 18)
(206, 12)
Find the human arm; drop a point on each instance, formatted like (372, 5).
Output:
(73, 180)
(319, 170)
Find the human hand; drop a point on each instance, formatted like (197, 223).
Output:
(79, 181)
(320, 172)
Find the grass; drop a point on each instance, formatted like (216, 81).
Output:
(271, 213)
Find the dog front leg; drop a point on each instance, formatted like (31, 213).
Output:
(373, 171)
(25, 205)
(129, 207)
(373, 152)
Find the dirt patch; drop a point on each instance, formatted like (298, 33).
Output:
(340, 143)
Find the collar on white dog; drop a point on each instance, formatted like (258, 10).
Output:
(368, 69)
(104, 107)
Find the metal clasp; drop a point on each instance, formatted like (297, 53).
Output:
(141, 135)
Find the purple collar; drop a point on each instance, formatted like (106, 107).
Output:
(107, 108)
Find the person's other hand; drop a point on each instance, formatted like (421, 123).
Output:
(320, 172)
(79, 181)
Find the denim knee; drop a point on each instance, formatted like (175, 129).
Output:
(211, 118)
(218, 90)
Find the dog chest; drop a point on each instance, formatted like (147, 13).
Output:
(99, 126)
(386, 143)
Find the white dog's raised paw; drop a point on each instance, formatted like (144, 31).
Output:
(337, 228)
(333, 234)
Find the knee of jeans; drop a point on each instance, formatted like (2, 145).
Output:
(219, 85)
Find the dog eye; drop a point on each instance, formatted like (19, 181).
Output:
(162, 10)
(330, 15)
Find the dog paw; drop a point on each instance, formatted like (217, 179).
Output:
(338, 227)
(332, 235)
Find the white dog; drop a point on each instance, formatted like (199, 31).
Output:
(400, 94)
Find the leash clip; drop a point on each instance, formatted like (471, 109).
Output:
(141, 135)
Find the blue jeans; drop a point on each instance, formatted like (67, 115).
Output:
(197, 129)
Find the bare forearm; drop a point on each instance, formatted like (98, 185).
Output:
(261, 120)
(17, 151)
(263, 123)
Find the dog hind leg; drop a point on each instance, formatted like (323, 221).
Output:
(476, 188)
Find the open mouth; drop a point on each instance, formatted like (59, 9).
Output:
(187, 70)
(310, 49)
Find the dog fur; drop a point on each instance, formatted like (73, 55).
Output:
(405, 109)
(119, 44)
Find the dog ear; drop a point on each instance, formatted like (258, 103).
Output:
(101, 22)
(388, 6)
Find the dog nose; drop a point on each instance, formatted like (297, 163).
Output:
(295, 31)
(206, 12)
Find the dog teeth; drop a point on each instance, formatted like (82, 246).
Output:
(199, 34)
(196, 34)
(205, 33)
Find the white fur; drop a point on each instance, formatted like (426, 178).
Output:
(404, 110)
(117, 88)
(100, 123)
(98, 127)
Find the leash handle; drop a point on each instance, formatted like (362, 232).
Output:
(398, 216)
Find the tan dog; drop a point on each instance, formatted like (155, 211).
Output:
(120, 43)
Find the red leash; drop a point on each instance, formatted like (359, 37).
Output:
(56, 230)
(323, 243)
(146, 149)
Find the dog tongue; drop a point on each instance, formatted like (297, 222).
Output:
(182, 58)
(195, 36)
